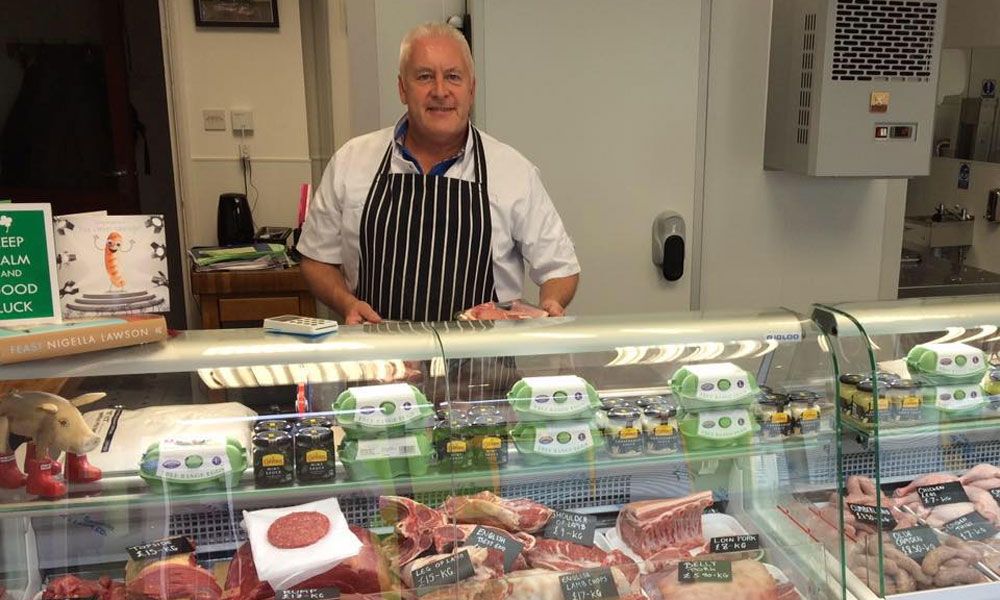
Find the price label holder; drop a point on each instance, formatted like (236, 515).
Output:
(328, 593)
(452, 569)
(942, 493)
(161, 549)
(971, 527)
(915, 542)
(866, 513)
(594, 584)
(734, 543)
(571, 527)
(718, 571)
(489, 538)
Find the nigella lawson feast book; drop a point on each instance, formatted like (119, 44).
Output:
(20, 344)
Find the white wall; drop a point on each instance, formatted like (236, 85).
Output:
(972, 23)
(772, 238)
(942, 186)
(259, 69)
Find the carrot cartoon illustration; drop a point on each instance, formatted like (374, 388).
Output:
(112, 247)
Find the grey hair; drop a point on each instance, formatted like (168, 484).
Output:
(432, 29)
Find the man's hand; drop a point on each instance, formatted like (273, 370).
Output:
(553, 308)
(360, 312)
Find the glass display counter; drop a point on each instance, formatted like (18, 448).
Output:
(658, 456)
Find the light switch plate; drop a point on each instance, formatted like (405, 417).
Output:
(242, 120)
(214, 119)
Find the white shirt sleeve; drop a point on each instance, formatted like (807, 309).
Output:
(539, 232)
(321, 237)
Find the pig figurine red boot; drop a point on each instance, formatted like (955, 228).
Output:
(54, 425)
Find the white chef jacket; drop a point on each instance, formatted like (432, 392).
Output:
(526, 226)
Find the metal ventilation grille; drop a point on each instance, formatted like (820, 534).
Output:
(806, 77)
(884, 39)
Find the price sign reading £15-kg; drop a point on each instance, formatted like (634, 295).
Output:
(571, 527)
(28, 289)
(452, 569)
(160, 549)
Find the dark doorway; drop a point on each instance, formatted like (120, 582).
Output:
(83, 113)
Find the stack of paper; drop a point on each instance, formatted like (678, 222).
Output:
(249, 257)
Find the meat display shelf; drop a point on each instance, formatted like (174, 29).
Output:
(131, 491)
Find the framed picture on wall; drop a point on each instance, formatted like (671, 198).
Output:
(236, 13)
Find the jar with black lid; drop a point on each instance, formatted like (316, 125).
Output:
(805, 411)
(316, 421)
(771, 411)
(624, 432)
(659, 426)
(489, 441)
(452, 439)
(314, 455)
(272, 425)
(273, 458)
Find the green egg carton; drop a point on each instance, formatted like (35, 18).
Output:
(377, 410)
(387, 457)
(553, 398)
(556, 441)
(713, 386)
(951, 363)
(193, 464)
(711, 430)
(954, 401)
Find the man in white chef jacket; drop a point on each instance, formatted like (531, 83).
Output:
(420, 221)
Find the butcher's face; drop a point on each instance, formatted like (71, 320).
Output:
(438, 88)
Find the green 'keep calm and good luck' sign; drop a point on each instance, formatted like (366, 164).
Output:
(28, 289)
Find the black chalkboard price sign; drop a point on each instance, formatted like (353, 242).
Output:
(866, 513)
(595, 584)
(328, 593)
(915, 542)
(572, 527)
(451, 569)
(160, 549)
(489, 538)
(718, 571)
(972, 526)
(735, 543)
(942, 493)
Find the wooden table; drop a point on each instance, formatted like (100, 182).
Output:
(241, 298)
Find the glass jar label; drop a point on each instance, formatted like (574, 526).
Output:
(273, 460)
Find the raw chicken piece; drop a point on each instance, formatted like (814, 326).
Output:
(932, 479)
(980, 471)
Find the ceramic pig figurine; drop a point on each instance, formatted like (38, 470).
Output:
(54, 425)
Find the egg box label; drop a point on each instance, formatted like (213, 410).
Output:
(724, 424)
(952, 360)
(565, 394)
(193, 458)
(958, 397)
(719, 382)
(563, 439)
(385, 405)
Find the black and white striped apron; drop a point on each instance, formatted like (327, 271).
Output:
(425, 243)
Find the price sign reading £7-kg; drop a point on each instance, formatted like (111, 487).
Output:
(28, 290)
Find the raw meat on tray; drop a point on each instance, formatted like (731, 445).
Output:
(70, 586)
(486, 508)
(980, 501)
(366, 573)
(514, 310)
(415, 524)
(650, 527)
(751, 581)
(567, 557)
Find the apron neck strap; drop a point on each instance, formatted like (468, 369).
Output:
(477, 152)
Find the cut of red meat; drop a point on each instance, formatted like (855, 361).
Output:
(174, 578)
(486, 508)
(70, 586)
(298, 529)
(415, 525)
(652, 526)
(449, 537)
(560, 555)
(366, 573)
(751, 581)
(488, 564)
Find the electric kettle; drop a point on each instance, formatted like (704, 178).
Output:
(235, 223)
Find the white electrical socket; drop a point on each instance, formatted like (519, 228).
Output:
(242, 120)
(214, 119)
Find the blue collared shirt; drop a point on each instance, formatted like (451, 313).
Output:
(439, 169)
